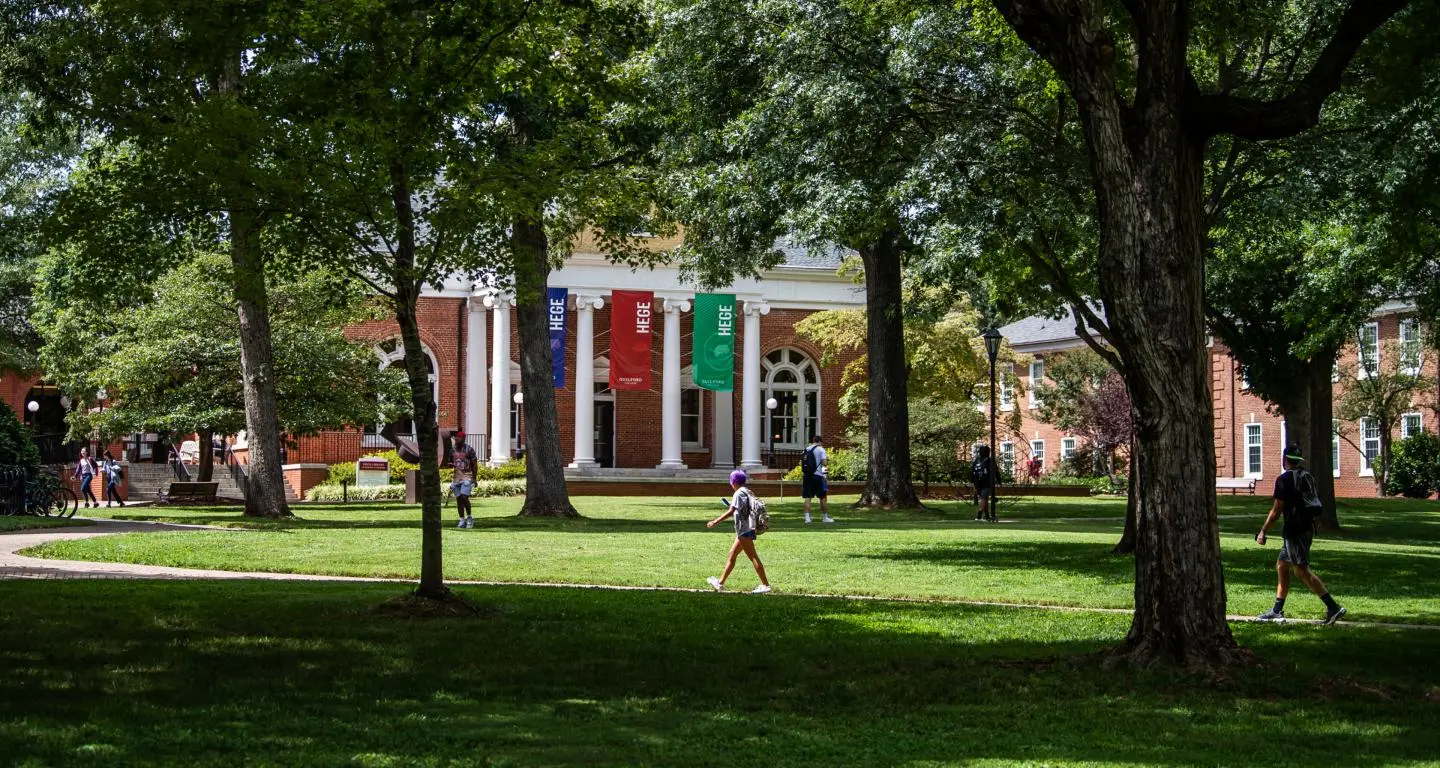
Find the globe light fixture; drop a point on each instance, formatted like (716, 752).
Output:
(32, 406)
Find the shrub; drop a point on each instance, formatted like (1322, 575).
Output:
(513, 469)
(345, 473)
(16, 447)
(1414, 467)
(342, 473)
(396, 492)
(844, 465)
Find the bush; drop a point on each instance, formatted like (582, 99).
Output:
(341, 473)
(1414, 467)
(16, 447)
(513, 469)
(396, 492)
(844, 465)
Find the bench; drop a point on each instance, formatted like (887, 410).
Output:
(1235, 484)
(190, 492)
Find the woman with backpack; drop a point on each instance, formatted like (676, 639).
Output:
(113, 473)
(745, 508)
(1295, 498)
(85, 472)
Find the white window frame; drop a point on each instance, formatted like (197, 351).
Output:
(1366, 468)
(388, 357)
(1037, 373)
(1067, 448)
(1335, 447)
(1037, 448)
(698, 415)
(1007, 457)
(1410, 345)
(1406, 419)
(1255, 440)
(1370, 331)
(1007, 391)
(806, 419)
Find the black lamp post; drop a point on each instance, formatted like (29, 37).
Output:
(992, 349)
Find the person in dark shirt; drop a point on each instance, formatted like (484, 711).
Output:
(463, 460)
(1298, 532)
(982, 471)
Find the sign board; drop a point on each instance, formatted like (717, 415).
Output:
(372, 471)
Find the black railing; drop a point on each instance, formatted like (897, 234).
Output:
(783, 459)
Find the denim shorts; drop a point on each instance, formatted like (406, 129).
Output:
(746, 535)
(463, 487)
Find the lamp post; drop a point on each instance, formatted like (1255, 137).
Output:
(770, 404)
(992, 350)
(519, 400)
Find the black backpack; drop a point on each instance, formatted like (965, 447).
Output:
(1311, 508)
(981, 470)
(808, 463)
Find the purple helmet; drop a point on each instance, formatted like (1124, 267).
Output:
(738, 477)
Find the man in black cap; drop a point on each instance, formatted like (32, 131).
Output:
(1296, 499)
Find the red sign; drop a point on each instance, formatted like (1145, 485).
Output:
(631, 319)
(372, 465)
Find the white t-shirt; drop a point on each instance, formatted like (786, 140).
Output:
(820, 458)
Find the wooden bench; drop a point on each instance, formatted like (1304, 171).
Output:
(1235, 484)
(190, 492)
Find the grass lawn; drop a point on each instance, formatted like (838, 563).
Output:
(1055, 551)
(224, 674)
(26, 522)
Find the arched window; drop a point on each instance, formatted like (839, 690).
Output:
(392, 352)
(792, 379)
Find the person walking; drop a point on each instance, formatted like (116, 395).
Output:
(814, 465)
(462, 461)
(741, 506)
(85, 472)
(1032, 469)
(1295, 498)
(113, 473)
(983, 474)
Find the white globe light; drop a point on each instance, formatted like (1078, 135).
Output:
(32, 406)
(519, 398)
(771, 403)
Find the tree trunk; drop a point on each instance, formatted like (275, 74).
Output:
(1149, 180)
(207, 455)
(889, 484)
(265, 488)
(422, 400)
(545, 491)
(1322, 432)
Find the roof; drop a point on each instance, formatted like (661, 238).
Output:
(800, 254)
(1040, 330)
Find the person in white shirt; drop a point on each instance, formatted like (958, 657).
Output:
(814, 463)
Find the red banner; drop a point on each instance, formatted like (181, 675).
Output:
(632, 316)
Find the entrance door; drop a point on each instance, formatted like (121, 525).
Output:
(605, 433)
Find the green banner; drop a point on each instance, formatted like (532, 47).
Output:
(713, 354)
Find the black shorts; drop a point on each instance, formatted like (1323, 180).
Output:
(1296, 551)
(813, 486)
(984, 491)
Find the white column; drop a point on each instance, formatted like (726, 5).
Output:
(750, 403)
(500, 380)
(477, 390)
(723, 448)
(585, 306)
(670, 388)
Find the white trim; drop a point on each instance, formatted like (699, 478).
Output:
(1073, 445)
(1335, 447)
(1258, 443)
(1415, 341)
(1418, 416)
(1363, 372)
(1366, 469)
(1032, 396)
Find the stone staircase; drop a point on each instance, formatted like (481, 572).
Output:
(147, 481)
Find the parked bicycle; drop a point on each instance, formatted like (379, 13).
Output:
(44, 495)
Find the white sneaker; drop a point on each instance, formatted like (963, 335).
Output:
(715, 583)
(469, 522)
(460, 524)
(827, 519)
(760, 590)
(807, 519)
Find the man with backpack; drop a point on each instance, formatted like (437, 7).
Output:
(982, 472)
(1296, 499)
(813, 463)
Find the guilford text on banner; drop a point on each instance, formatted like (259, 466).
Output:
(714, 346)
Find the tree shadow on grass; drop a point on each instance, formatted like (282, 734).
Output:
(201, 674)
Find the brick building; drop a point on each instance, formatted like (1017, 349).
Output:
(472, 352)
(1249, 437)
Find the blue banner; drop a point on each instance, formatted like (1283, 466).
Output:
(557, 334)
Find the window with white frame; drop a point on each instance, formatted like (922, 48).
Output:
(1254, 450)
(1067, 448)
(1037, 450)
(1007, 391)
(1335, 447)
(1410, 345)
(1007, 457)
(1368, 350)
(691, 418)
(1411, 424)
(1037, 375)
(392, 352)
(1369, 445)
(793, 380)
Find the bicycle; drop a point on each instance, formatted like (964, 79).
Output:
(48, 496)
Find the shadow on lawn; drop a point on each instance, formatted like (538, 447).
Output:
(202, 673)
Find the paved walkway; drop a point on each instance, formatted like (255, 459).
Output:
(16, 566)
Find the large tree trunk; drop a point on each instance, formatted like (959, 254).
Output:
(889, 484)
(545, 491)
(207, 455)
(1322, 432)
(265, 488)
(422, 399)
(1149, 181)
